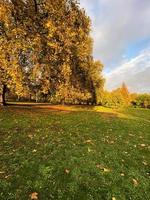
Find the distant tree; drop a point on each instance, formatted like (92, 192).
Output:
(116, 98)
(142, 100)
(125, 93)
(112, 99)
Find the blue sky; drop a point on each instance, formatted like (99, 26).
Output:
(121, 33)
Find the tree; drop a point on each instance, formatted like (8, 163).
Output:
(125, 94)
(11, 43)
(142, 100)
(47, 50)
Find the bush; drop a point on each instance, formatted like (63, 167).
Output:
(142, 101)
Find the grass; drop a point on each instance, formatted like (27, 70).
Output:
(74, 153)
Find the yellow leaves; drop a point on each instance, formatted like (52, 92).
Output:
(30, 136)
(143, 145)
(4, 14)
(135, 182)
(145, 163)
(88, 142)
(36, 39)
(52, 45)
(49, 24)
(89, 150)
(113, 198)
(67, 171)
(104, 169)
(122, 174)
(34, 196)
(18, 32)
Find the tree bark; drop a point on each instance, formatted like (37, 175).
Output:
(2, 96)
(35, 6)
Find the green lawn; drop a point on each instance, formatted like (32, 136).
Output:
(74, 153)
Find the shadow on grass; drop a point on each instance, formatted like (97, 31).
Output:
(37, 108)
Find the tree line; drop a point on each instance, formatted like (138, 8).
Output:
(121, 97)
(46, 52)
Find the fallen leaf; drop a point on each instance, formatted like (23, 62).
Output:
(112, 142)
(101, 167)
(145, 163)
(67, 171)
(88, 142)
(106, 170)
(135, 182)
(148, 173)
(6, 177)
(30, 136)
(122, 174)
(34, 150)
(34, 196)
(142, 145)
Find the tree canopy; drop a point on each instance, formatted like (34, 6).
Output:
(46, 51)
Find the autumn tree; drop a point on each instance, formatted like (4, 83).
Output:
(125, 93)
(47, 50)
(11, 44)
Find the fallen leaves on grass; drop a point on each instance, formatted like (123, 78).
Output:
(148, 174)
(88, 142)
(89, 150)
(104, 169)
(132, 135)
(7, 176)
(67, 171)
(135, 182)
(143, 145)
(145, 163)
(34, 196)
(109, 141)
(30, 136)
(122, 174)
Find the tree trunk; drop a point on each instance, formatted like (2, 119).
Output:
(35, 6)
(30, 97)
(2, 96)
(94, 101)
(36, 97)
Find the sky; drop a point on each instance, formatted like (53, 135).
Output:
(121, 33)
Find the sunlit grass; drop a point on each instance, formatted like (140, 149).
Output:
(74, 152)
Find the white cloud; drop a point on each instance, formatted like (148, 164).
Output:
(116, 24)
(135, 73)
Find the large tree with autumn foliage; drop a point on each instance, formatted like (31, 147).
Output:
(46, 51)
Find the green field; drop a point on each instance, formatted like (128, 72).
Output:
(74, 153)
